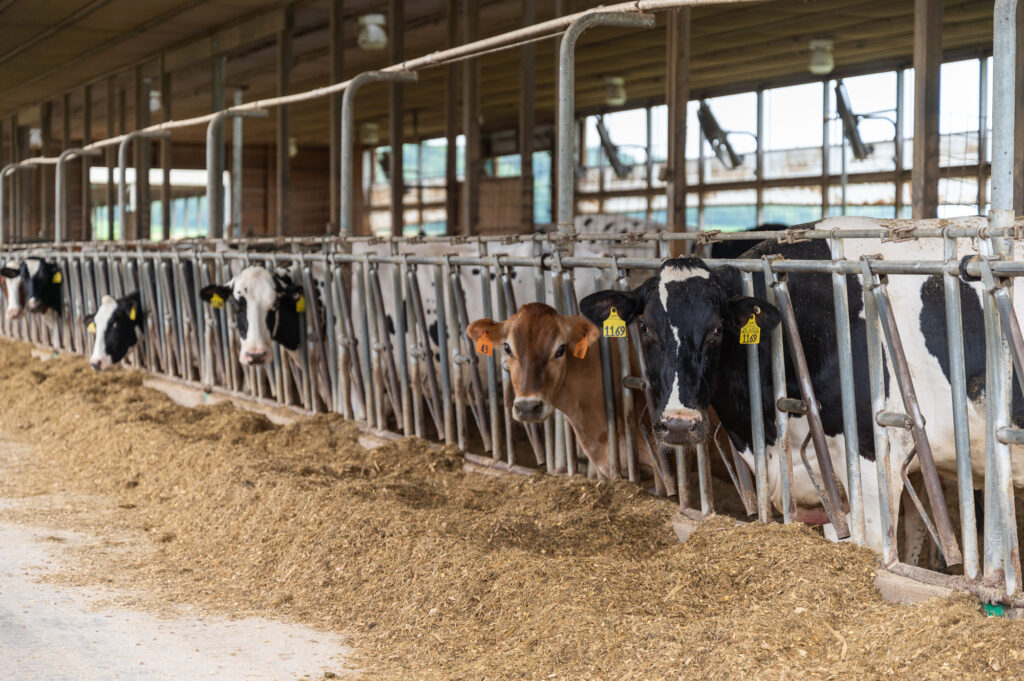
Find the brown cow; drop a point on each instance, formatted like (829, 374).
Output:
(544, 352)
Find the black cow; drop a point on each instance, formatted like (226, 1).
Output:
(116, 325)
(721, 250)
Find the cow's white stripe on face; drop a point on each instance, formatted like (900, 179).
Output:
(100, 353)
(33, 266)
(673, 274)
(13, 293)
(675, 409)
(256, 286)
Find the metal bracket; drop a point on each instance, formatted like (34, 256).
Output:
(792, 236)
(709, 237)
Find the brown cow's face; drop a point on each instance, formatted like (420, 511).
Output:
(538, 344)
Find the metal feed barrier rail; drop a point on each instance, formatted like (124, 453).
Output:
(350, 363)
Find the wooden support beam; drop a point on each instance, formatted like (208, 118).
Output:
(110, 160)
(65, 143)
(284, 67)
(677, 65)
(44, 176)
(86, 184)
(396, 117)
(336, 56)
(527, 121)
(242, 34)
(218, 64)
(165, 156)
(927, 63)
(451, 124)
(143, 157)
(471, 123)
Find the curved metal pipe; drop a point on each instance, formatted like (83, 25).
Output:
(348, 103)
(60, 226)
(122, 186)
(215, 167)
(567, 101)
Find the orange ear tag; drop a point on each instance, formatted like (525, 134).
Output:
(484, 345)
(580, 351)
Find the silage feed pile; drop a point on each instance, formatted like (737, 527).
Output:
(436, 574)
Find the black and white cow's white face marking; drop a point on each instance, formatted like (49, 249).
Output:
(265, 310)
(42, 281)
(685, 317)
(13, 291)
(114, 325)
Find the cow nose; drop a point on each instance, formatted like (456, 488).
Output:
(684, 427)
(33, 304)
(529, 409)
(255, 356)
(13, 314)
(96, 364)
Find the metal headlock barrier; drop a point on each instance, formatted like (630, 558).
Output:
(383, 338)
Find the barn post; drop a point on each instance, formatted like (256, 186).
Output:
(678, 70)
(396, 119)
(165, 155)
(86, 138)
(122, 162)
(527, 121)
(471, 124)
(61, 199)
(65, 143)
(110, 159)
(336, 57)
(44, 187)
(215, 167)
(567, 102)
(927, 62)
(451, 124)
(237, 169)
(284, 66)
(348, 102)
(143, 158)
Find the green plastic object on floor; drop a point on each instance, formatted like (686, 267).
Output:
(993, 610)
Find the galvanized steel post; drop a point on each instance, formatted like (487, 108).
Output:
(567, 102)
(60, 215)
(215, 167)
(122, 186)
(348, 138)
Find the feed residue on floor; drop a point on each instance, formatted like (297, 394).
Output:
(434, 573)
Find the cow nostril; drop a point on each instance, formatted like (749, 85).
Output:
(96, 364)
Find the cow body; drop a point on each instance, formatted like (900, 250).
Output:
(692, 317)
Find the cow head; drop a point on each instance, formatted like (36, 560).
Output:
(43, 283)
(267, 307)
(538, 343)
(687, 315)
(114, 324)
(14, 292)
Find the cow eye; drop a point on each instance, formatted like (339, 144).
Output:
(507, 349)
(560, 351)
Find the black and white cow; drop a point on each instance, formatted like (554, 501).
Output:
(13, 291)
(41, 285)
(116, 325)
(267, 307)
(691, 318)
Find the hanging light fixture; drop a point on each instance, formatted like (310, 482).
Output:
(614, 90)
(372, 35)
(35, 138)
(368, 134)
(155, 102)
(822, 62)
(293, 148)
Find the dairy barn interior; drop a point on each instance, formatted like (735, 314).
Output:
(328, 361)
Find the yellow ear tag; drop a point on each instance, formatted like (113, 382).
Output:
(750, 334)
(131, 314)
(613, 326)
(300, 304)
(92, 327)
(484, 345)
(580, 350)
(216, 301)
(57, 278)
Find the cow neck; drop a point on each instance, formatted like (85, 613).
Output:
(731, 395)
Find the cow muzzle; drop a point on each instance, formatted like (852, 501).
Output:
(97, 364)
(530, 409)
(255, 357)
(683, 427)
(15, 313)
(35, 305)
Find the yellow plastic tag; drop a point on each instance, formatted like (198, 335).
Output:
(57, 278)
(131, 314)
(580, 351)
(750, 334)
(92, 327)
(300, 304)
(484, 345)
(613, 326)
(216, 301)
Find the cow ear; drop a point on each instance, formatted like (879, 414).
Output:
(9, 272)
(494, 330)
(628, 304)
(297, 298)
(215, 294)
(132, 305)
(742, 308)
(582, 334)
